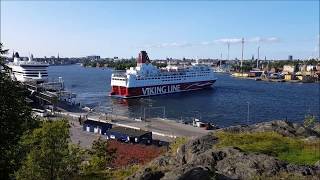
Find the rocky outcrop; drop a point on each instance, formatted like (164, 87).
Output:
(284, 128)
(198, 159)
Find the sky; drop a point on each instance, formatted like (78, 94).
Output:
(177, 29)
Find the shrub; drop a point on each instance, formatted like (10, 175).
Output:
(309, 120)
(179, 141)
(131, 154)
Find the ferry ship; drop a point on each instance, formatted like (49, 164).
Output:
(28, 70)
(148, 80)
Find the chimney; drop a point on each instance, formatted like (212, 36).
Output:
(143, 58)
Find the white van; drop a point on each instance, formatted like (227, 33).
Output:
(39, 112)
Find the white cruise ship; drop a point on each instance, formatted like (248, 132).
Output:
(146, 79)
(25, 71)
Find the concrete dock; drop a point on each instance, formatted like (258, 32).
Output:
(162, 129)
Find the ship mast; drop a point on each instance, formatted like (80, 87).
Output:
(228, 49)
(258, 56)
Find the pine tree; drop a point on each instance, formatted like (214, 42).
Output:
(15, 119)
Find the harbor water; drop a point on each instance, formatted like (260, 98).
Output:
(231, 101)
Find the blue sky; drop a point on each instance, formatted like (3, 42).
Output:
(165, 29)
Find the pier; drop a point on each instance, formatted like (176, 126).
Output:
(162, 129)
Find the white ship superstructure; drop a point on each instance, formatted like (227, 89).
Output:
(28, 70)
(146, 79)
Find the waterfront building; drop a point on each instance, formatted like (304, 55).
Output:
(98, 127)
(129, 135)
(289, 69)
(311, 68)
(289, 77)
(93, 57)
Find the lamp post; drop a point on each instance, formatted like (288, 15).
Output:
(242, 42)
(248, 113)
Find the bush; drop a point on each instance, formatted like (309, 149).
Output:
(131, 154)
(289, 149)
(179, 141)
(309, 120)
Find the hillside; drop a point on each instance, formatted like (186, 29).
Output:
(270, 150)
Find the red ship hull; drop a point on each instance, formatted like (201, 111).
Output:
(124, 92)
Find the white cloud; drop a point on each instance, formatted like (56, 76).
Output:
(166, 45)
(264, 40)
(217, 41)
(206, 43)
(250, 40)
(228, 40)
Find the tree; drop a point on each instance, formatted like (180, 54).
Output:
(309, 120)
(49, 154)
(15, 119)
(2, 52)
(101, 156)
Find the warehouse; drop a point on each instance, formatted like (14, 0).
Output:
(129, 135)
(98, 127)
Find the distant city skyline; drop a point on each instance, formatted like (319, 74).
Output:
(164, 29)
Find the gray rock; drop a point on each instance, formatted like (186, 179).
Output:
(284, 128)
(197, 173)
(148, 174)
(239, 165)
(198, 159)
(187, 152)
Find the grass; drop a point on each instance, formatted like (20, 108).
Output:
(124, 172)
(283, 175)
(112, 174)
(292, 150)
(177, 143)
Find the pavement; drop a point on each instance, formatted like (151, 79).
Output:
(83, 138)
(162, 129)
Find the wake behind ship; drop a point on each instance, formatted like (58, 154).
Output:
(147, 80)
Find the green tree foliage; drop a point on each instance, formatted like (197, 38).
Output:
(101, 156)
(49, 155)
(309, 120)
(117, 65)
(15, 119)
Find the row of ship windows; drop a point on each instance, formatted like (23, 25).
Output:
(171, 77)
(192, 75)
(30, 72)
(35, 75)
(118, 79)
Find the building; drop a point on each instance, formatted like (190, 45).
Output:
(289, 69)
(290, 57)
(99, 127)
(93, 57)
(289, 77)
(129, 135)
(311, 68)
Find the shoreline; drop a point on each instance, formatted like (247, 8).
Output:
(276, 80)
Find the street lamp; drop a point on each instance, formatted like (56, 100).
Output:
(248, 113)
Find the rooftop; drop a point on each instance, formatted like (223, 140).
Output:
(129, 131)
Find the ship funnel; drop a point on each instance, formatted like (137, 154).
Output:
(143, 58)
(16, 57)
(31, 58)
